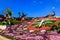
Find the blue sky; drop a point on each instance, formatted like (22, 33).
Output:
(33, 8)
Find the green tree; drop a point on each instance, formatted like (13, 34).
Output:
(19, 14)
(23, 15)
(8, 13)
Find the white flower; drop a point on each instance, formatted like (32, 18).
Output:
(43, 31)
(31, 30)
(2, 27)
(24, 28)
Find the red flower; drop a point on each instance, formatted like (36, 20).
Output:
(42, 28)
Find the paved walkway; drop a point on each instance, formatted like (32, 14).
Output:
(3, 38)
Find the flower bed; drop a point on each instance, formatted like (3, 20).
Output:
(27, 31)
(17, 32)
(35, 26)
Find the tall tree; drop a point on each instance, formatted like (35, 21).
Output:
(19, 14)
(23, 15)
(8, 13)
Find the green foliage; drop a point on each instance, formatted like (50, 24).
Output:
(48, 23)
(36, 31)
(59, 25)
(15, 22)
(1, 23)
(27, 30)
(8, 12)
(36, 25)
(6, 22)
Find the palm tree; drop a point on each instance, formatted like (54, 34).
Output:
(19, 14)
(8, 13)
(23, 16)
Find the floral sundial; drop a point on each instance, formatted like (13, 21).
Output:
(35, 25)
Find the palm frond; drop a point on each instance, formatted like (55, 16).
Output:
(5, 12)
